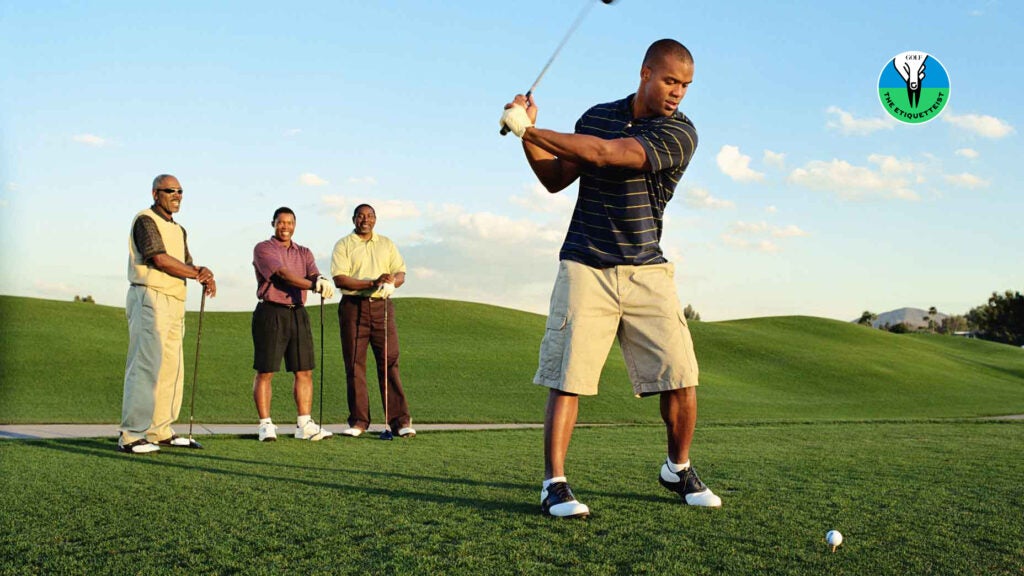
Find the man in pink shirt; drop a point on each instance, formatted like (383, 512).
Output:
(280, 324)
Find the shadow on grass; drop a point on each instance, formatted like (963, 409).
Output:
(105, 449)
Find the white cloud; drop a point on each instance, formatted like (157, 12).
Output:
(293, 132)
(736, 165)
(536, 198)
(771, 209)
(90, 140)
(776, 159)
(701, 198)
(424, 273)
(762, 228)
(851, 182)
(368, 180)
(965, 180)
(845, 123)
(4, 203)
(749, 227)
(791, 231)
(341, 208)
(892, 165)
(982, 125)
(491, 228)
(968, 153)
(766, 246)
(310, 179)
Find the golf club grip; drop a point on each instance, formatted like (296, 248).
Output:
(505, 129)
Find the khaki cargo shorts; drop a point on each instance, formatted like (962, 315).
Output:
(637, 304)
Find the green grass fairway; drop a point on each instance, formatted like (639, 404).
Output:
(461, 362)
(910, 498)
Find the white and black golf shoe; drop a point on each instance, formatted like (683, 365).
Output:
(141, 446)
(557, 500)
(687, 484)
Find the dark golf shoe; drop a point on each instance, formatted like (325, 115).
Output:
(557, 500)
(687, 484)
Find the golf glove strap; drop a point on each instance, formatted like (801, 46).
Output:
(516, 119)
(386, 290)
(323, 286)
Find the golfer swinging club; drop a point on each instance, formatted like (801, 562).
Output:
(613, 279)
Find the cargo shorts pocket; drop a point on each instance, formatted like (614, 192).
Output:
(552, 348)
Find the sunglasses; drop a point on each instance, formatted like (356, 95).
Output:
(171, 190)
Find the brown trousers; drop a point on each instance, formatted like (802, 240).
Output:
(362, 323)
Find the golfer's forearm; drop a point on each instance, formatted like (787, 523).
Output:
(350, 283)
(590, 150)
(294, 279)
(554, 173)
(170, 265)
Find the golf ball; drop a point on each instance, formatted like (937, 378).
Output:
(834, 538)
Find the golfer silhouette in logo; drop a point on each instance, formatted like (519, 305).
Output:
(911, 67)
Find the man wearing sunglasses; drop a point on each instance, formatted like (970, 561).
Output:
(158, 265)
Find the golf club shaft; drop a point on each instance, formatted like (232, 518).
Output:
(195, 365)
(321, 420)
(579, 18)
(386, 366)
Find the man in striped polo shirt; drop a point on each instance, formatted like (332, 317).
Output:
(280, 325)
(613, 279)
(158, 264)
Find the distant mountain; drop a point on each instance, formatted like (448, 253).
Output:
(912, 317)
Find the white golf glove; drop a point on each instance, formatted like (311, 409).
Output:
(323, 286)
(386, 290)
(516, 119)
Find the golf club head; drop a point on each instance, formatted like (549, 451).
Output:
(387, 435)
(194, 444)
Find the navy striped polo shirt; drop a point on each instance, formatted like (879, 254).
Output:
(618, 214)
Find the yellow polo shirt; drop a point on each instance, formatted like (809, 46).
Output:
(365, 260)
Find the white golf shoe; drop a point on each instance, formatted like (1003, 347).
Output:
(352, 432)
(688, 485)
(557, 500)
(142, 446)
(268, 432)
(407, 432)
(312, 431)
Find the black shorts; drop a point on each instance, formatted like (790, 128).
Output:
(281, 332)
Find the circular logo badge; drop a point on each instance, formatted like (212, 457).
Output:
(913, 87)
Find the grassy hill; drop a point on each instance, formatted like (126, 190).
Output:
(462, 362)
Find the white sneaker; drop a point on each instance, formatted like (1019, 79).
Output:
(407, 432)
(312, 431)
(268, 432)
(352, 432)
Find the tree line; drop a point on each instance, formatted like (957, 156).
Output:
(1001, 319)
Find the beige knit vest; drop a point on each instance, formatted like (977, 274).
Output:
(139, 272)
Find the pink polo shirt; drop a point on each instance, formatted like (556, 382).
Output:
(272, 255)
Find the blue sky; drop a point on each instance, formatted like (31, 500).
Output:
(803, 198)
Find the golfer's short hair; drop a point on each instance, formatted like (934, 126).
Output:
(667, 48)
(356, 211)
(282, 210)
(159, 180)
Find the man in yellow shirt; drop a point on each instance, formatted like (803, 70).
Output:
(368, 269)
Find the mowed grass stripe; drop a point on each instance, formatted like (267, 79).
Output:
(912, 498)
(463, 362)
